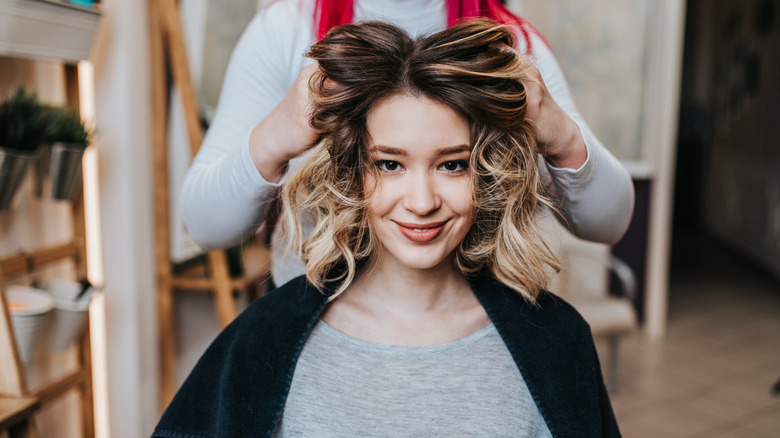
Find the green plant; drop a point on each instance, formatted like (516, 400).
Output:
(63, 124)
(20, 121)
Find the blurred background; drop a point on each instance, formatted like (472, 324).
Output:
(684, 93)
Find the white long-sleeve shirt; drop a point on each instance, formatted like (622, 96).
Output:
(224, 196)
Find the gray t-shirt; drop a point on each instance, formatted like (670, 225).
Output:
(345, 387)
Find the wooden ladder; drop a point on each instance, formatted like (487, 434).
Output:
(169, 59)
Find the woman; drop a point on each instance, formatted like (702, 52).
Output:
(262, 119)
(422, 311)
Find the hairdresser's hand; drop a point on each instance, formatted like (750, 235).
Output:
(285, 133)
(559, 138)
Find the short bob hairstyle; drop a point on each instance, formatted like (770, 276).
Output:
(465, 68)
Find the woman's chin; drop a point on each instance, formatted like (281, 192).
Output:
(424, 262)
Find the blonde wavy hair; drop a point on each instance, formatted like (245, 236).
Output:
(466, 68)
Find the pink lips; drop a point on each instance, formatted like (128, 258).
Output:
(421, 233)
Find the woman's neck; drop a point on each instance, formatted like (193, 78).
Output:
(394, 305)
(393, 285)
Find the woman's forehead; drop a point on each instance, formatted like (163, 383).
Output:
(407, 123)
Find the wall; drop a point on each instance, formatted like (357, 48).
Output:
(225, 21)
(734, 79)
(601, 46)
(123, 106)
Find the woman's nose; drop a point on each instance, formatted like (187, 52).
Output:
(421, 197)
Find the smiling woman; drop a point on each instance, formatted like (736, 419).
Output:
(422, 311)
(381, 98)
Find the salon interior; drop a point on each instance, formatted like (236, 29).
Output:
(685, 309)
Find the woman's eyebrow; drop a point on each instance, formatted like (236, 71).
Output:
(453, 150)
(387, 150)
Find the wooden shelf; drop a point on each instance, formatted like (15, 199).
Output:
(46, 30)
(55, 389)
(16, 409)
(24, 263)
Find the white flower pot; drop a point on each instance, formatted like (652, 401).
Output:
(30, 310)
(70, 315)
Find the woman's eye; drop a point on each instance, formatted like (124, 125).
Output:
(454, 166)
(388, 165)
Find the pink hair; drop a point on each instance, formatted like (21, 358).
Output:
(330, 13)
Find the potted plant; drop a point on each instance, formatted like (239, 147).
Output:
(20, 136)
(65, 138)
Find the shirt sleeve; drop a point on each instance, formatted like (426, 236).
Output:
(224, 196)
(596, 200)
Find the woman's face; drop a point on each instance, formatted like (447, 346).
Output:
(420, 208)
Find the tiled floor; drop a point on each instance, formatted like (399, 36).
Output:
(712, 376)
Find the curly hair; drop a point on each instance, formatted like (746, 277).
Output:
(464, 68)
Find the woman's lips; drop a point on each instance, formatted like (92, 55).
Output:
(421, 233)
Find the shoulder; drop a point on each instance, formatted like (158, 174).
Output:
(272, 323)
(548, 303)
(240, 381)
(552, 347)
(549, 319)
(296, 299)
(563, 323)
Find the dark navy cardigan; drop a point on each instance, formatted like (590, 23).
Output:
(239, 386)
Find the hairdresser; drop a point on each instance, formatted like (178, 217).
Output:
(261, 128)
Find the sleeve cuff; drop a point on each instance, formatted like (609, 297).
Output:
(575, 176)
(249, 170)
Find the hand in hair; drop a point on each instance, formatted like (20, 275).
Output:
(286, 132)
(558, 137)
